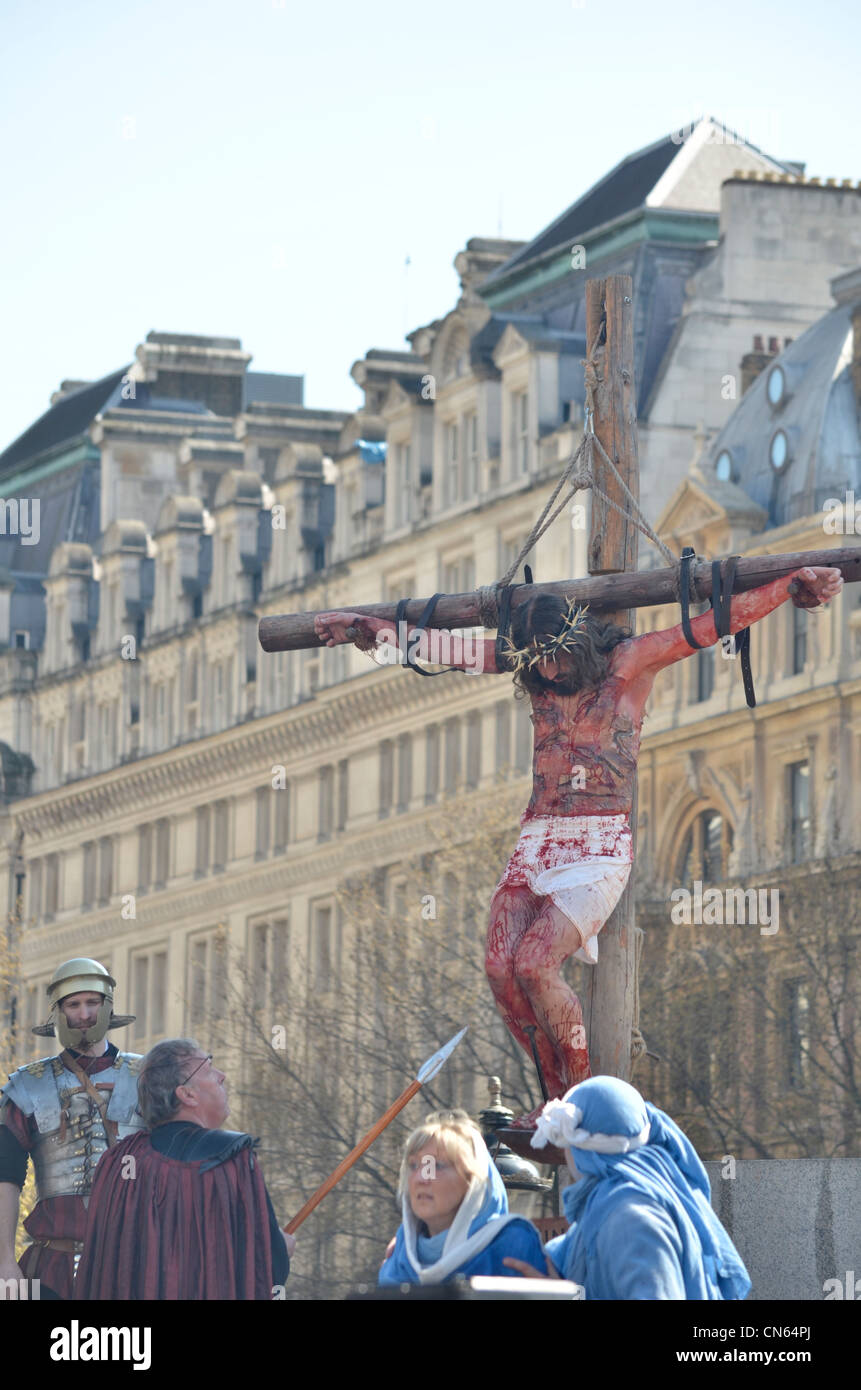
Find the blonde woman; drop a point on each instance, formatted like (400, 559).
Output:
(455, 1209)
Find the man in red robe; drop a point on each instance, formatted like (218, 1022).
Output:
(182, 1212)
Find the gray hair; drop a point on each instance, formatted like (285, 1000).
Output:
(164, 1068)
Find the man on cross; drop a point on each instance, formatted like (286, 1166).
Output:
(588, 682)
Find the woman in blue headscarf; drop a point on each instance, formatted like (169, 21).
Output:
(455, 1209)
(641, 1224)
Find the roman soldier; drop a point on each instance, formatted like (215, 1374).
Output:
(64, 1111)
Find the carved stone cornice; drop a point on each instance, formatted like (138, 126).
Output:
(322, 867)
(218, 764)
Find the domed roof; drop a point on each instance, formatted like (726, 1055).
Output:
(794, 440)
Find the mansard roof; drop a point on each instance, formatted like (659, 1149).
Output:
(630, 185)
(64, 422)
(819, 417)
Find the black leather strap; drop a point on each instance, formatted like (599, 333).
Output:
(400, 616)
(723, 579)
(503, 623)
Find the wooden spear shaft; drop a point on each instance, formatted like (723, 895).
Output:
(293, 631)
(425, 1074)
(346, 1163)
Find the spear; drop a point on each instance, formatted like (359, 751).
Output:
(424, 1074)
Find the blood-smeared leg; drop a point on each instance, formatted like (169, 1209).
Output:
(512, 912)
(540, 953)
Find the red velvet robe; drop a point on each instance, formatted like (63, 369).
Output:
(162, 1229)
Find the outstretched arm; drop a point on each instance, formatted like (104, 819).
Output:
(476, 655)
(808, 588)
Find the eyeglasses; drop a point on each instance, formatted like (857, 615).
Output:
(196, 1070)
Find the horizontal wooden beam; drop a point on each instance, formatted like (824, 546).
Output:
(285, 632)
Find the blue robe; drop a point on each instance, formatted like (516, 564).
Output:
(642, 1226)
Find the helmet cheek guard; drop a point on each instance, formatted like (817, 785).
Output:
(82, 1037)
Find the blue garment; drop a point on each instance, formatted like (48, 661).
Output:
(517, 1237)
(641, 1222)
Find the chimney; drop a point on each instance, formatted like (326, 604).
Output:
(756, 361)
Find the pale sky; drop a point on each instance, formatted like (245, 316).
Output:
(264, 170)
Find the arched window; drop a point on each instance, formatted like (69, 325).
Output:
(706, 849)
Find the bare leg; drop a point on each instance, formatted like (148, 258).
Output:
(539, 955)
(512, 912)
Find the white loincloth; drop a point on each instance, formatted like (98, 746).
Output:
(582, 863)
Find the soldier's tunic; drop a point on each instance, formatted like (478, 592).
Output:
(45, 1112)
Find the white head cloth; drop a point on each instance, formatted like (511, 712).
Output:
(559, 1125)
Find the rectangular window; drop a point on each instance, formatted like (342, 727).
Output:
(405, 772)
(799, 639)
(149, 992)
(503, 735)
(326, 803)
(452, 756)
(218, 704)
(263, 800)
(705, 676)
(202, 841)
(404, 484)
(471, 470)
(796, 1013)
(282, 817)
(144, 858)
(34, 906)
(89, 876)
(221, 827)
(205, 993)
(52, 885)
(387, 754)
(431, 763)
(473, 748)
(520, 433)
(343, 794)
(106, 870)
(162, 851)
(320, 946)
(452, 465)
(522, 735)
(799, 801)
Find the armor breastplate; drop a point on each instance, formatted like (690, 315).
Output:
(70, 1135)
(64, 1164)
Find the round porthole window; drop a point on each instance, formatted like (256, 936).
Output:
(723, 466)
(776, 386)
(778, 452)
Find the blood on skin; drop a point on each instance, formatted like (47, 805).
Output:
(584, 764)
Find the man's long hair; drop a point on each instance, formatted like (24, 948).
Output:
(543, 616)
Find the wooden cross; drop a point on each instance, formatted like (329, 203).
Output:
(615, 589)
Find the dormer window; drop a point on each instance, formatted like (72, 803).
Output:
(723, 466)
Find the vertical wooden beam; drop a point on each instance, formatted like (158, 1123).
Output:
(613, 545)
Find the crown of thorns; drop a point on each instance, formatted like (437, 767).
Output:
(524, 658)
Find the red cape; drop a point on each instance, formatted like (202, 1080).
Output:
(159, 1228)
